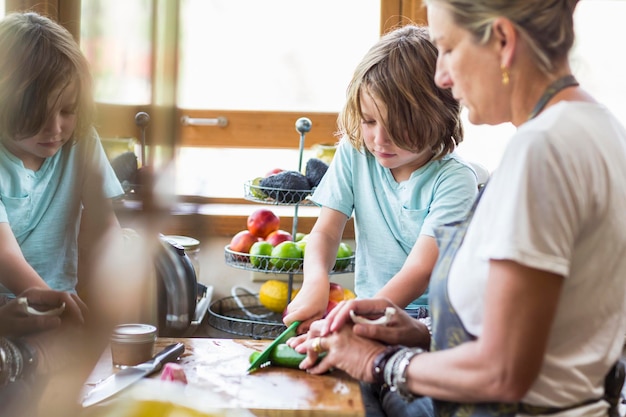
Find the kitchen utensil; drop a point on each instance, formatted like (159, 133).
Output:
(264, 357)
(127, 376)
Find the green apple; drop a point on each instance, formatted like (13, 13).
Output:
(302, 245)
(286, 256)
(344, 252)
(299, 236)
(260, 253)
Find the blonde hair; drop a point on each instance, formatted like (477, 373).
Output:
(399, 71)
(546, 25)
(38, 60)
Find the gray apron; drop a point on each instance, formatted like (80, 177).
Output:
(448, 332)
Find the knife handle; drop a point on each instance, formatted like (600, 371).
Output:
(169, 354)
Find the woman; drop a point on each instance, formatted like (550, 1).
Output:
(528, 314)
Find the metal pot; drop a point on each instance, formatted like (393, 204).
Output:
(178, 291)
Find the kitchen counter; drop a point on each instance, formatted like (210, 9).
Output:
(218, 367)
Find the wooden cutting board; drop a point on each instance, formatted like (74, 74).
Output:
(219, 367)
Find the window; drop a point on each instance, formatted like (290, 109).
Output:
(120, 59)
(251, 60)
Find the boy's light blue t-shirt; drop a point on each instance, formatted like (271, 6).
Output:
(43, 207)
(389, 216)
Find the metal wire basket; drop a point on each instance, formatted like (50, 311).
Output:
(276, 196)
(264, 263)
(242, 314)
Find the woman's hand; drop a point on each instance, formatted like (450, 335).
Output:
(15, 322)
(399, 329)
(344, 350)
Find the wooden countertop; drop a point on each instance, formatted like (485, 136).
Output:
(218, 367)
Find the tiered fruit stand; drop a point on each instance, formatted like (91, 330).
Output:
(242, 313)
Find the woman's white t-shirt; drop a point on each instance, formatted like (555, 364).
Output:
(557, 203)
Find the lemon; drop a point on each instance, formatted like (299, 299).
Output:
(273, 295)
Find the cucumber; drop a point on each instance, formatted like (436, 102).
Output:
(284, 355)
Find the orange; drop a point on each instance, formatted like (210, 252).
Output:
(348, 294)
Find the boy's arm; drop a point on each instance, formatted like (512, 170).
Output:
(17, 274)
(413, 278)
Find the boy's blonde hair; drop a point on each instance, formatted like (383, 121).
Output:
(399, 70)
(39, 59)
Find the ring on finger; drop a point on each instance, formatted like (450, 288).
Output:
(317, 345)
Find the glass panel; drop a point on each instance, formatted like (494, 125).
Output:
(116, 38)
(598, 59)
(283, 55)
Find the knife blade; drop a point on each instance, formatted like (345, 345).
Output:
(264, 358)
(127, 376)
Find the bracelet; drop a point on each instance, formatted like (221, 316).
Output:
(395, 372)
(381, 361)
(29, 356)
(12, 362)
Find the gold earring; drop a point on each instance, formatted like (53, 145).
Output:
(505, 75)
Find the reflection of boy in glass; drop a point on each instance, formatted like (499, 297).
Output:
(54, 175)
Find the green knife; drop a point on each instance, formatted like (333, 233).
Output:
(264, 358)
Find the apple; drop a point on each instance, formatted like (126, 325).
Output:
(262, 222)
(336, 293)
(331, 304)
(299, 236)
(273, 172)
(344, 252)
(287, 256)
(278, 236)
(302, 245)
(260, 254)
(242, 241)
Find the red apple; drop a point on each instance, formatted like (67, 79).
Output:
(331, 304)
(262, 222)
(273, 171)
(336, 292)
(242, 241)
(278, 236)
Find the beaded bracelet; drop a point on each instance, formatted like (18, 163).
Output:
(380, 363)
(395, 372)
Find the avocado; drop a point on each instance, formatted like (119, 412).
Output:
(125, 168)
(314, 171)
(288, 187)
